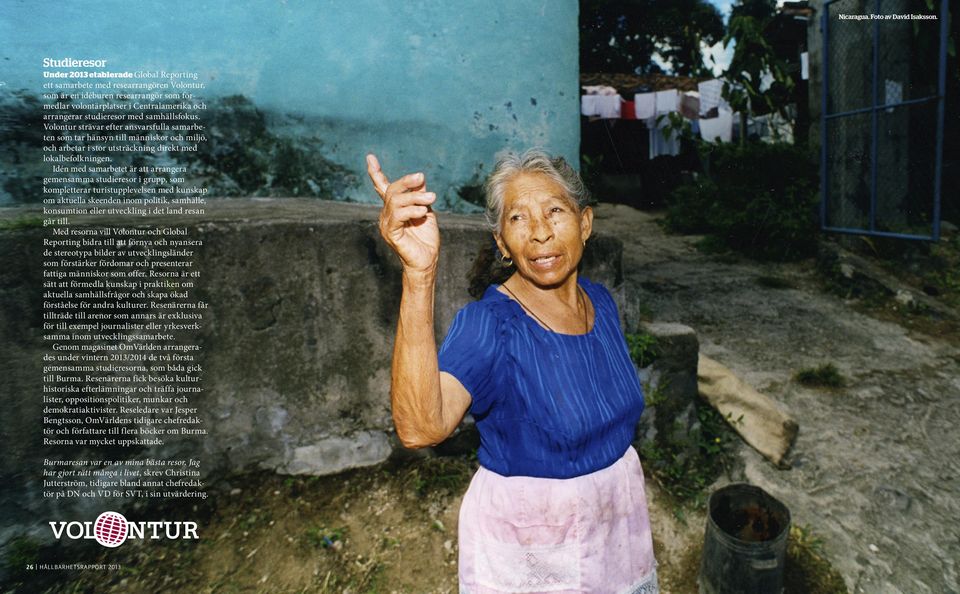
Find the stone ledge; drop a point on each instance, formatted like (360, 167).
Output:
(296, 344)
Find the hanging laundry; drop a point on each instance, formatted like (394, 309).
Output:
(710, 94)
(603, 106)
(667, 101)
(690, 105)
(628, 111)
(645, 105)
(662, 140)
(599, 90)
(718, 129)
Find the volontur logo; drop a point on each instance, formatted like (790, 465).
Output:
(112, 529)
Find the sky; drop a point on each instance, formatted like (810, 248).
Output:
(723, 6)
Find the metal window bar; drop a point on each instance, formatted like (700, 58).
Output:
(874, 111)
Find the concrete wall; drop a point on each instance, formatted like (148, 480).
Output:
(428, 85)
(296, 344)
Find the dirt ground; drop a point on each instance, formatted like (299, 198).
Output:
(875, 470)
(876, 465)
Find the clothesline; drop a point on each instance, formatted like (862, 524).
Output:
(604, 102)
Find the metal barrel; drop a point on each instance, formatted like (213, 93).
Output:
(745, 542)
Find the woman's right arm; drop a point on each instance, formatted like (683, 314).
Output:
(427, 404)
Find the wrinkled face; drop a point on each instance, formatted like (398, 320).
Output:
(542, 230)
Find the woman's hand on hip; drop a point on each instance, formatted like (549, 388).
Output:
(407, 223)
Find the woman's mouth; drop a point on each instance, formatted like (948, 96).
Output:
(545, 261)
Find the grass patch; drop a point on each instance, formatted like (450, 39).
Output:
(807, 570)
(324, 537)
(22, 555)
(442, 474)
(822, 376)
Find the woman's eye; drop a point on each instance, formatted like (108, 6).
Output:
(514, 217)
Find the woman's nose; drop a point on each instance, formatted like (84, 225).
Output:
(541, 230)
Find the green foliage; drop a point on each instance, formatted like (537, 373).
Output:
(806, 570)
(683, 462)
(686, 468)
(591, 171)
(256, 518)
(643, 348)
(690, 207)
(825, 376)
(22, 553)
(645, 311)
(26, 222)
(944, 284)
(655, 395)
(676, 126)
(758, 199)
(753, 59)
(448, 474)
(324, 537)
(618, 36)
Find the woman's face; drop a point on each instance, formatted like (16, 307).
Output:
(541, 230)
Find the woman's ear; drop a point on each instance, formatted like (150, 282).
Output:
(586, 223)
(501, 246)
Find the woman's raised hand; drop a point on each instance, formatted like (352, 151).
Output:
(407, 223)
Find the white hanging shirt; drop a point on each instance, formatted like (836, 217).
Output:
(603, 106)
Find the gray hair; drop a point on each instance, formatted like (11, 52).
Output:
(534, 160)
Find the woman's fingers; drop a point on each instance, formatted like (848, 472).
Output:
(408, 198)
(409, 213)
(405, 207)
(406, 184)
(406, 221)
(413, 181)
(380, 181)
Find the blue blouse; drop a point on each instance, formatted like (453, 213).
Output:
(546, 404)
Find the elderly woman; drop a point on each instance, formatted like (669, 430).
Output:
(540, 361)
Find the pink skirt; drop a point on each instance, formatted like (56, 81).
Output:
(586, 534)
